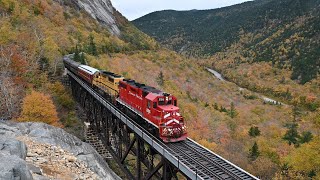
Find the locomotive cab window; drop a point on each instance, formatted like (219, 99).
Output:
(149, 104)
(161, 101)
(111, 79)
(154, 105)
(169, 102)
(175, 102)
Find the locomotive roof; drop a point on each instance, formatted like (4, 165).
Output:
(107, 73)
(145, 87)
(88, 69)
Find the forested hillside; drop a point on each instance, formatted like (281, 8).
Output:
(265, 139)
(284, 32)
(34, 35)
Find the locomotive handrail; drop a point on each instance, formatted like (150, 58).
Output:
(160, 147)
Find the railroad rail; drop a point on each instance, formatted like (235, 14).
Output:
(208, 164)
(188, 157)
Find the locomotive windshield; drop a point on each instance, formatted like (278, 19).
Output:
(165, 101)
(161, 101)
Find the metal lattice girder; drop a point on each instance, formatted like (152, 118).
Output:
(154, 171)
(128, 150)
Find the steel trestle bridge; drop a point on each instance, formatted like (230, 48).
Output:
(133, 146)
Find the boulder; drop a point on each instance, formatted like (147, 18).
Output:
(10, 146)
(8, 131)
(13, 167)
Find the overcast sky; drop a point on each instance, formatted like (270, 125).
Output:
(133, 9)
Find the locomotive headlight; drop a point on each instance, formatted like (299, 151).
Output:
(184, 128)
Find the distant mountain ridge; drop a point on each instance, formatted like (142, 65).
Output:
(271, 23)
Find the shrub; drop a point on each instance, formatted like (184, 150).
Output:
(38, 107)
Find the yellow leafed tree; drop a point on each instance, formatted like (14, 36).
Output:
(38, 107)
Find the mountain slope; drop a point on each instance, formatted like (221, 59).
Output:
(34, 35)
(274, 26)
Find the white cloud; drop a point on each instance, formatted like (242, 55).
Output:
(133, 9)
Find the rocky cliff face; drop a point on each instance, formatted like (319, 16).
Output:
(39, 151)
(102, 11)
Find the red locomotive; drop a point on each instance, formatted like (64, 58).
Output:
(155, 107)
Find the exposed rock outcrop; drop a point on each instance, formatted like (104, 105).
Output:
(12, 168)
(100, 10)
(12, 155)
(41, 151)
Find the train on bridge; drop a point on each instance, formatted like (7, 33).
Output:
(156, 110)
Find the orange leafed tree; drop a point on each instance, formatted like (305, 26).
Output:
(38, 107)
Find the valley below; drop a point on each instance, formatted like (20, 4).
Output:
(264, 98)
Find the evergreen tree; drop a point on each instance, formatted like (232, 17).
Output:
(79, 55)
(306, 137)
(82, 58)
(292, 134)
(92, 49)
(216, 106)
(76, 56)
(160, 79)
(223, 109)
(254, 131)
(254, 152)
(295, 112)
(232, 113)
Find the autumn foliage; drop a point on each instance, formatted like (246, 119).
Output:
(38, 107)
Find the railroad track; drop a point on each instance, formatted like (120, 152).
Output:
(205, 163)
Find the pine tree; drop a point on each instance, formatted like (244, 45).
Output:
(92, 49)
(306, 137)
(82, 58)
(216, 106)
(295, 112)
(292, 134)
(232, 113)
(254, 152)
(254, 131)
(76, 56)
(160, 79)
